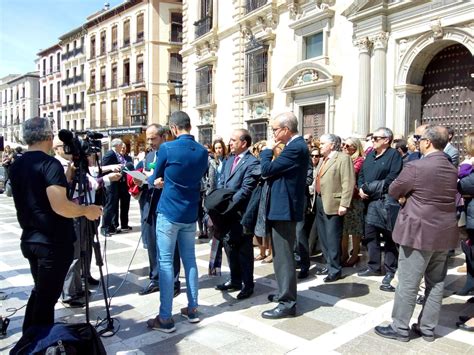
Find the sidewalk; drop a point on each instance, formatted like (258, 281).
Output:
(331, 318)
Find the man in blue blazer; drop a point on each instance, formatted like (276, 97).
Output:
(240, 173)
(287, 178)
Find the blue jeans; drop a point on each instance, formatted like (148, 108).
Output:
(167, 234)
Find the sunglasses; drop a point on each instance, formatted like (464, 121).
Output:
(315, 156)
(376, 138)
(347, 146)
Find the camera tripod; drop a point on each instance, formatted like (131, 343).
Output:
(89, 240)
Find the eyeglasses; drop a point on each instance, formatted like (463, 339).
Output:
(275, 130)
(315, 156)
(347, 146)
(376, 138)
(423, 139)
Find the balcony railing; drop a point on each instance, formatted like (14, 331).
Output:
(125, 82)
(203, 26)
(72, 80)
(73, 107)
(102, 50)
(138, 120)
(140, 37)
(175, 77)
(126, 43)
(252, 5)
(114, 47)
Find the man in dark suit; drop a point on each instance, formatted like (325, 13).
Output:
(287, 176)
(426, 229)
(112, 192)
(240, 173)
(334, 186)
(124, 195)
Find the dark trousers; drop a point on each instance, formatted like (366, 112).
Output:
(303, 230)
(283, 241)
(111, 206)
(123, 205)
(330, 235)
(239, 250)
(372, 240)
(49, 265)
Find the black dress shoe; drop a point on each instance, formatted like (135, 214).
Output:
(323, 271)
(416, 329)
(245, 293)
(465, 327)
(332, 278)
(91, 281)
(464, 319)
(279, 312)
(273, 298)
(149, 289)
(389, 333)
(304, 273)
(368, 272)
(228, 286)
(420, 299)
(387, 279)
(387, 288)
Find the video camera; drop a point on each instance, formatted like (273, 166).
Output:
(80, 148)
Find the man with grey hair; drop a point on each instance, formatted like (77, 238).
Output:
(425, 233)
(381, 166)
(113, 156)
(286, 175)
(45, 216)
(334, 186)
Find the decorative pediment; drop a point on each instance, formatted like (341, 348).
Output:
(260, 23)
(308, 76)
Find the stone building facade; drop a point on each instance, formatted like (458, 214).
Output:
(344, 67)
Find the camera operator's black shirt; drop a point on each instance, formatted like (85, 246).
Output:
(30, 176)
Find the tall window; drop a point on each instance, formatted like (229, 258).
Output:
(126, 73)
(114, 46)
(58, 61)
(204, 24)
(140, 69)
(58, 91)
(256, 70)
(176, 68)
(114, 76)
(58, 119)
(92, 116)
(93, 47)
(82, 100)
(50, 64)
(103, 113)
(251, 5)
(313, 45)
(23, 113)
(258, 131)
(176, 27)
(23, 92)
(93, 88)
(205, 135)
(103, 42)
(140, 32)
(44, 66)
(204, 85)
(113, 107)
(44, 95)
(51, 92)
(67, 104)
(102, 78)
(136, 108)
(126, 33)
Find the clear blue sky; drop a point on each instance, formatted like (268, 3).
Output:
(27, 26)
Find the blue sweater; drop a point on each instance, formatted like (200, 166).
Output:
(182, 163)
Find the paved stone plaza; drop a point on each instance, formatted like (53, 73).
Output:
(331, 318)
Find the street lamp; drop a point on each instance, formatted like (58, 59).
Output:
(178, 91)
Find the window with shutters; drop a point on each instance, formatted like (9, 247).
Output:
(102, 79)
(126, 33)
(176, 27)
(103, 114)
(204, 85)
(256, 70)
(140, 28)
(176, 68)
(113, 82)
(93, 52)
(113, 108)
(139, 69)
(204, 24)
(114, 44)
(103, 42)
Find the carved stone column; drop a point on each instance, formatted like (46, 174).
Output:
(378, 103)
(363, 104)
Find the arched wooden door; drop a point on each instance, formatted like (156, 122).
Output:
(448, 92)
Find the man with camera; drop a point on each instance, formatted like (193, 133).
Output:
(73, 292)
(45, 215)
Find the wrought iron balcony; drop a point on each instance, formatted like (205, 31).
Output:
(252, 5)
(203, 26)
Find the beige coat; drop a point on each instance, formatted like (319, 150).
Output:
(337, 182)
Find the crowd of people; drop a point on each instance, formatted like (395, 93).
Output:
(289, 195)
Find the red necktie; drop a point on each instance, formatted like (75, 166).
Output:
(234, 164)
